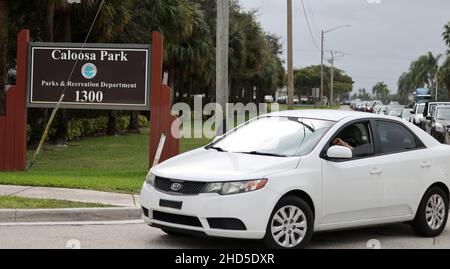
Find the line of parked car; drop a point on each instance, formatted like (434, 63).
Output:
(432, 117)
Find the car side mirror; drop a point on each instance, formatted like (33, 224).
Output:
(339, 152)
(217, 138)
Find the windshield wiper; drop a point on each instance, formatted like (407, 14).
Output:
(264, 154)
(216, 148)
(310, 127)
(307, 126)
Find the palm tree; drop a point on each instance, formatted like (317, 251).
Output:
(444, 74)
(424, 69)
(405, 86)
(446, 35)
(381, 92)
(113, 18)
(3, 52)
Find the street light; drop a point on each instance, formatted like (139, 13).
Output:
(321, 58)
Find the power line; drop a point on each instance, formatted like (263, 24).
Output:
(311, 16)
(309, 26)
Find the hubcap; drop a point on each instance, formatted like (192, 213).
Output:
(435, 212)
(289, 226)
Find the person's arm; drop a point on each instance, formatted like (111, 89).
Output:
(340, 142)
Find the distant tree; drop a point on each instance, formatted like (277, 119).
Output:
(381, 92)
(446, 35)
(444, 76)
(422, 73)
(404, 87)
(423, 70)
(363, 95)
(308, 78)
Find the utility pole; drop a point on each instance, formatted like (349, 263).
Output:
(332, 78)
(321, 57)
(335, 55)
(290, 58)
(222, 43)
(437, 85)
(321, 68)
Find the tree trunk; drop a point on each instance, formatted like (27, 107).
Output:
(67, 26)
(48, 37)
(61, 130)
(112, 120)
(49, 21)
(61, 133)
(3, 53)
(134, 115)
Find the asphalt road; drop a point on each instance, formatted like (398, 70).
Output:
(140, 236)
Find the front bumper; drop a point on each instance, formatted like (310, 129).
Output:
(253, 209)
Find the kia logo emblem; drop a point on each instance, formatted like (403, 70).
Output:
(176, 186)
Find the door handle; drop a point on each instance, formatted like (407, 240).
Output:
(425, 165)
(376, 172)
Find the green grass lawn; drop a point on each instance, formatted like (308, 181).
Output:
(116, 164)
(9, 202)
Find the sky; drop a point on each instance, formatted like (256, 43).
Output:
(384, 38)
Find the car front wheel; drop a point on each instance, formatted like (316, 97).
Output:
(291, 224)
(432, 214)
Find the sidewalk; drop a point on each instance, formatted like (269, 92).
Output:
(75, 195)
(125, 206)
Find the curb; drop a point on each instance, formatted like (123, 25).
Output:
(69, 215)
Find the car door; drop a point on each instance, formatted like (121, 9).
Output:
(405, 164)
(352, 189)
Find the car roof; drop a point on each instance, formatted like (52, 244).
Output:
(439, 103)
(323, 114)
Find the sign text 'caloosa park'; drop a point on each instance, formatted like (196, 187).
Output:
(94, 76)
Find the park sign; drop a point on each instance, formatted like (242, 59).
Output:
(104, 76)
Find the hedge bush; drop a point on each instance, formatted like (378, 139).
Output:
(78, 128)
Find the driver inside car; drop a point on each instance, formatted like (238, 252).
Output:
(339, 142)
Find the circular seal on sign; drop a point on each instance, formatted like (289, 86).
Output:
(89, 71)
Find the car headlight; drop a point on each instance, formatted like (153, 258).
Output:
(150, 179)
(439, 128)
(235, 187)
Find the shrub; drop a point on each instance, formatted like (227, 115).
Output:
(142, 121)
(75, 129)
(122, 123)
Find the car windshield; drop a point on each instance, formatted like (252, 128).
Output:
(396, 112)
(443, 114)
(406, 113)
(275, 136)
(420, 109)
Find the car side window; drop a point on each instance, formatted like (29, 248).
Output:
(358, 137)
(395, 138)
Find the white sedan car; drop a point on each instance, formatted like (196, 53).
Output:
(283, 176)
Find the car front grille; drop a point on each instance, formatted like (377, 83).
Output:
(183, 187)
(177, 219)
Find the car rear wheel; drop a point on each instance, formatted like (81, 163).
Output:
(291, 224)
(432, 215)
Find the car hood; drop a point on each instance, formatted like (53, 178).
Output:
(211, 166)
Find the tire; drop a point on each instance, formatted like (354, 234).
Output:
(429, 226)
(302, 233)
